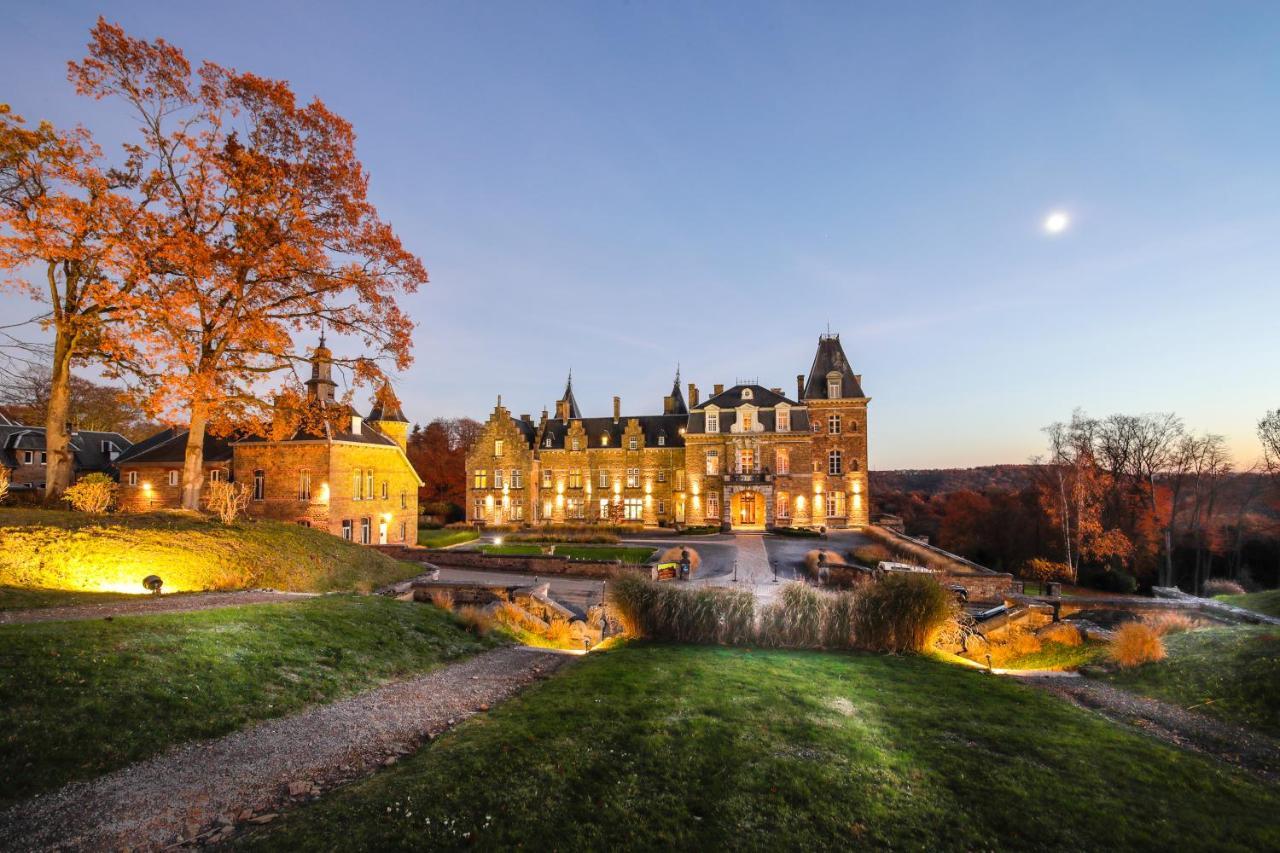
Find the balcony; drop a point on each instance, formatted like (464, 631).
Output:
(756, 477)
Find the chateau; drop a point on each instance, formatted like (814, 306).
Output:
(747, 457)
(349, 476)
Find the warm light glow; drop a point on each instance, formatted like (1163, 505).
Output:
(648, 487)
(617, 487)
(497, 540)
(146, 484)
(559, 487)
(386, 516)
(488, 501)
(857, 487)
(1057, 222)
(323, 493)
(546, 509)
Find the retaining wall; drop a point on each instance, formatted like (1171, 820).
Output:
(534, 564)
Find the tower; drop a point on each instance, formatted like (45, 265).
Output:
(321, 385)
(387, 417)
(837, 406)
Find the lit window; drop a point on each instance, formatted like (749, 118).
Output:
(133, 478)
(662, 507)
(575, 508)
(603, 479)
(713, 463)
(633, 509)
(517, 512)
(546, 478)
(259, 484)
(782, 461)
(304, 485)
(662, 475)
(633, 478)
(575, 478)
(679, 479)
(173, 479)
(477, 510)
(834, 467)
(497, 447)
(479, 480)
(713, 505)
(604, 439)
(833, 424)
(662, 439)
(782, 506)
(835, 503)
(633, 443)
(575, 444)
(604, 508)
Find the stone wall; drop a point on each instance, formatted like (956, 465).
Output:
(534, 564)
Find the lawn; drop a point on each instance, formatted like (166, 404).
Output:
(1232, 673)
(632, 555)
(80, 698)
(22, 598)
(1267, 602)
(63, 550)
(1059, 656)
(443, 538)
(710, 748)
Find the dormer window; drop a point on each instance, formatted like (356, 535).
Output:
(713, 421)
(604, 440)
(747, 419)
(833, 386)
(633, 443)
(497, 447)
(784, 419)
(746, 393)
(575, 443)
(547, 443)
(110, 450)
(662, 439)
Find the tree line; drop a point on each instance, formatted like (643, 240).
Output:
(1118, 498)
(232, 219)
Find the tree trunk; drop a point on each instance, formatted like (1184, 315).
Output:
(57, 439)
(193, 464)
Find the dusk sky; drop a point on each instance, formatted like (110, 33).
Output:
(620, 187)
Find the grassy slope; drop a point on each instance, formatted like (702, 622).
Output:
(707, 748)
(633, 555)
(1059, 656)
(1267, 602)
(80, 698)
(1231, 673)
(443, 538)
(72, 551)
(20, 598)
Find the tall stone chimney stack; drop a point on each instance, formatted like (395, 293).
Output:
(693, 396)
(799, 387)
(617, 409)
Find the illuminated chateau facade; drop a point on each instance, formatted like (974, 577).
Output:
(747, 457)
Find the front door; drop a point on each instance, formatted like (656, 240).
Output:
(747, 508)
(382, 533)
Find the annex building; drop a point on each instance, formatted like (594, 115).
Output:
(349, 475)
(747, 457)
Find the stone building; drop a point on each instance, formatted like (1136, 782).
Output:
(748, 457)
(348, 475)
(23, 454)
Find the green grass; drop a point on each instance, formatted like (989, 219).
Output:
(443, 538)
(54, 549)
(1230, 673)
(632, 555)
(22, 598)
(1267, 602)
(80, 698)
(708, 748)
(1059, 656)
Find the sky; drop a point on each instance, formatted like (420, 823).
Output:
(620, 187)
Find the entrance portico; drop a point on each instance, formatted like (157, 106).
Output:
(748, 507)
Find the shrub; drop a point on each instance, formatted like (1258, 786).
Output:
(558, 632)
(1166, 622)
(4, 483)
(226, 500)
(1108, 579)
(442, 598)
(1222, 586)
(811, 560)
(1014, 643)
(699, 530)
(1135, 643)
(796, 620)
(870, 555)
(595, 538)
(664, 611)
(672, 555)
(93, 493)
(1045, 570)
(901, 613)
(799, 532)
(837, 630)
(474, 620)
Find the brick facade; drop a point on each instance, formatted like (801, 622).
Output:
(747, 457)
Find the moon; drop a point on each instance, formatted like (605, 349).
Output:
(1056, 222)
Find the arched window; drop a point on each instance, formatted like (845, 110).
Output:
(746, 393)
(834, 466)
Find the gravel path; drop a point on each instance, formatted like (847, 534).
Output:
(145, 605)
(200, 792)
(1171, 723)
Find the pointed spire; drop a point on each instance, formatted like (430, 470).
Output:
(568, 406)
(386, 406)
(677, 406)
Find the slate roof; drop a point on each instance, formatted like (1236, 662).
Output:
(760, 396)
(651, 426)
(680, 407)
(85, 444)
(574, 411)
(830, 357)
(169, 447)
(388, 413)
(767, 418)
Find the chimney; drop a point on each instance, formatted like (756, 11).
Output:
(693, 396)
(525, 418)
(777, 391)
(356, 421)
(668, 404)
(562, 410)
(718, 389)
(617, 408)
(799, 386)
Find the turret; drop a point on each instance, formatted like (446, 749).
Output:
(321, 385)
(387, 418)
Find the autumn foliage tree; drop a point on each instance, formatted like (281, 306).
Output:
(64, 218)
(259, 226)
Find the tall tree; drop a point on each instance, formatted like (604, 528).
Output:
(262, 227)
(61, 214)
(1269, 435)
(93, 405)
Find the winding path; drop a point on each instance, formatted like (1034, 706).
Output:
(146, 605)
(199, 792)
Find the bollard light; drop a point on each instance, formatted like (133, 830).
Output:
(153, 583)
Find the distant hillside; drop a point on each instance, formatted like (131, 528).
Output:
(938, 481)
